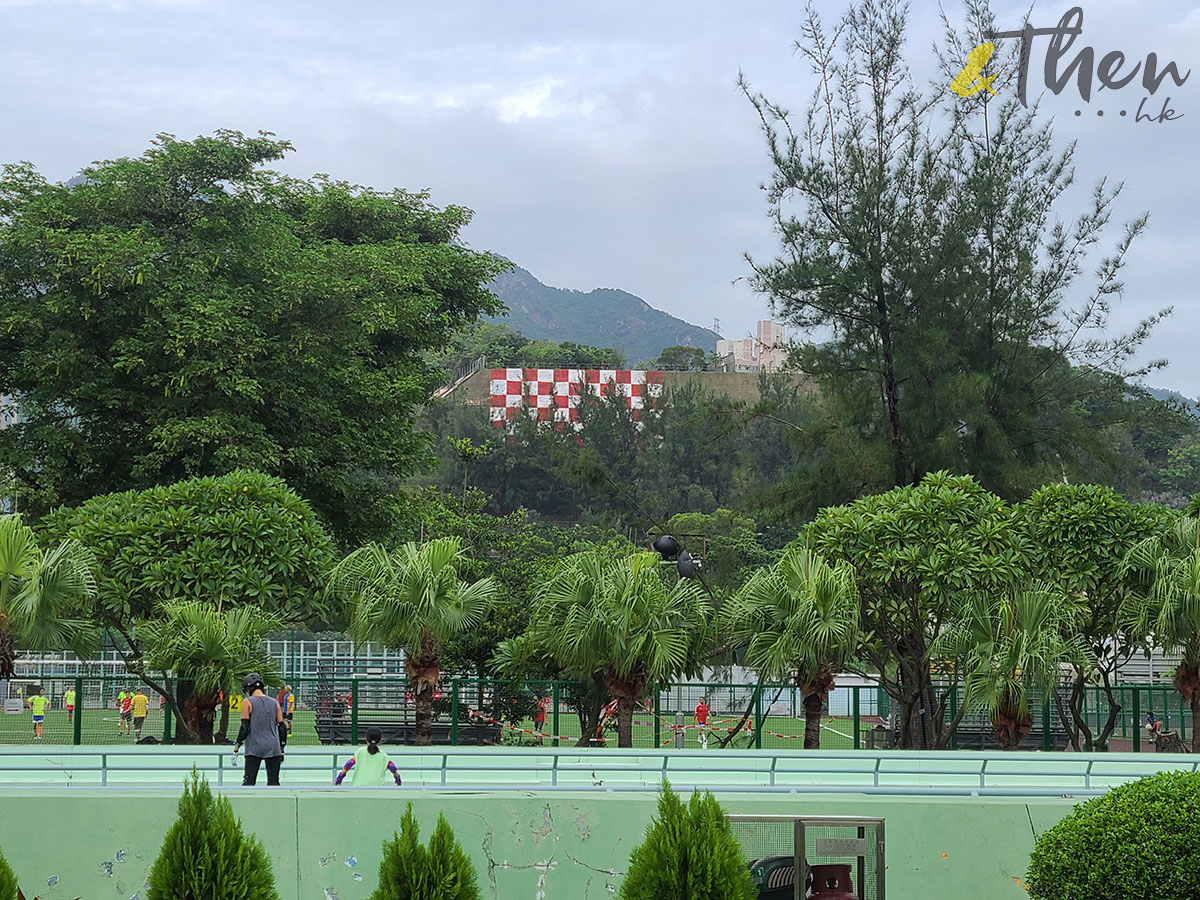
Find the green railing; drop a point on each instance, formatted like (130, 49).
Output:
(469, 711)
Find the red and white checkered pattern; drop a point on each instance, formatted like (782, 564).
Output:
(554, 394)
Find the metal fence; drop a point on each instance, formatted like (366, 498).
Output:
(337, 709)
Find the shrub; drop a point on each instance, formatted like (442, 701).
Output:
(8, 881)
(1137, 842)
(409, 871)
(207, 855)
(689, 852)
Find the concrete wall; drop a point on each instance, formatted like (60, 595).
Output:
(740, 386)
(100, 844)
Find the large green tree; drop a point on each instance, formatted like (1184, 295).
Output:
(922, 237)
(243, 539)
(189, 312)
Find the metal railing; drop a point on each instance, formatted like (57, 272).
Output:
(461, 768)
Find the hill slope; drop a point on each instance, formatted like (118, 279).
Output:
(604, 317)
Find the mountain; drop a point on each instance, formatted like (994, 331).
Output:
(1191, 406)
(604, 317)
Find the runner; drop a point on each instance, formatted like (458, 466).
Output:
(137, 705)
(126, 712)
(69, 703)
(702, 723)
(38, 703)
(539, 716)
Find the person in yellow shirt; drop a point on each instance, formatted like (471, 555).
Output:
(138, 706)
(69, 703)
(38, 703)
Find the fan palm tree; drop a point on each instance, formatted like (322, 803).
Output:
(797, 620)
(211, 649)
(1168, 605)
(43, 595)
(1005, 645)
(413, 599)
(617, 620)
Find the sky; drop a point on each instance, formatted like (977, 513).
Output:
(599, 144)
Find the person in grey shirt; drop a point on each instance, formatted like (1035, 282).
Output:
(262, 731)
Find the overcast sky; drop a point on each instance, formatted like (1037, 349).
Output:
(600, 144)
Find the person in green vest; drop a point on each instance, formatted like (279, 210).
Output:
(38, 703)
(369, 766)
(69, 703)
(121, 698)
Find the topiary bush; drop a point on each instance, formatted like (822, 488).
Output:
(689, 853)
(207, 855)
(8, 881)
(1140, 841)
(409, 871)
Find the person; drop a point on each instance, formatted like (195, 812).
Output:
(1153, 725)
(262, 732)
(120, 717)
(289, 707)
(69, 703)
(702, 723)
(369, 766)
(127, 712)
(539, 716)
(38, 703)
(137, 704)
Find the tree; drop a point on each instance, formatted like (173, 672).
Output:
(212, 650)
(243, 539)
(925, 244)
(797, 620)
(412, 598)
(8, 881)
(689, 851)
(1076, 536)
(189, 313)
(1008, 642)
(411, 871)
(916, 552)
(615, 619)
(686, 359)
(1167, 606)
(44, 595)
(206, 853)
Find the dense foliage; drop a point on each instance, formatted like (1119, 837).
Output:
(8, 881)
(206, 854)
(1140, 841)
(411, 871)
(689, 851)
(188, 312)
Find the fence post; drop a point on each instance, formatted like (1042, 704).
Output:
(953, 713)
(554, 692)
(1137, 719)
(77, 738)
(454, 713)
(1046, 720)
(657, 721)
(167, 722)
(857, 690)
(758, 718)
(354, 711)
(1182, 731)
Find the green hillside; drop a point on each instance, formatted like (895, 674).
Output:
(604, 317)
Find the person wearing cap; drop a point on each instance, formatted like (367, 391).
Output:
(369, 766)
(262, 732)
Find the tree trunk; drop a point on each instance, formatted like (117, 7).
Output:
(8, 649)
(1010, 726)
(1195, 703)
(624, 721)
(814, 705)
(199, 712)
(423, 717)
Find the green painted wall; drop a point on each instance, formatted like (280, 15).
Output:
(527, 846)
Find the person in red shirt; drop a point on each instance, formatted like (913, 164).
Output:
(539, 716)
(702, 722)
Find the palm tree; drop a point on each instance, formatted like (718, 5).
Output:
(1168, 604)
(43, 596)
(617, 621)
(413, 599)
(797, 620)
(1004, 645)
(211, 649)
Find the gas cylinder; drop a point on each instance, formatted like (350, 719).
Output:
(832, 883)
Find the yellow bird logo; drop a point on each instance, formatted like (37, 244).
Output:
(967, 83)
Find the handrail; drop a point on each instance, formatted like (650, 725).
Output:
(584, 769)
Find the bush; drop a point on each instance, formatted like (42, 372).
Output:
(409, 871)
(1137, 842)
(689, 853)
(8, 881)
(206, 854)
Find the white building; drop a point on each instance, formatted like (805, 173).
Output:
(765, 352)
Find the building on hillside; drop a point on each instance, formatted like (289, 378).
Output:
(765, 352)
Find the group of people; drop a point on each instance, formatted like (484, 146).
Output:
(132, 704)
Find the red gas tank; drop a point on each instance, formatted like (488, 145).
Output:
(832, 883)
